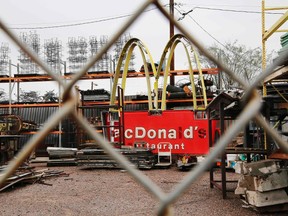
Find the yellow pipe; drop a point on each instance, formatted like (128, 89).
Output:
(170, 47)
(201, 77)
(127, 51)
(118, 68)
(126, 65)
(166, 72)
(276, 26)
(276, 8)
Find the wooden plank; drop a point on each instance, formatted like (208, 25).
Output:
(279, 155)
(277, 74)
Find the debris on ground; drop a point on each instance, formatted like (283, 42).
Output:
(28, 175)
(263, 185)
(59, 156)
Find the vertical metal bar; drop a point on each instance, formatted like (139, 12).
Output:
(223, 157)
(172, 65)
(10, 90)
(264, 89)
(247, 140)
(266, 136)
(18, 84)
(121, 115)
(211, 174)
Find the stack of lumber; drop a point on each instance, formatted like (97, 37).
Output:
(98, 158)
(59, 156)
(263, 185)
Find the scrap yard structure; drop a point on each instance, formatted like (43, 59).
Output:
(171, 124)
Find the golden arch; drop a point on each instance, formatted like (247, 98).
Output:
(127, 52)
(169, 48)
(171, 45)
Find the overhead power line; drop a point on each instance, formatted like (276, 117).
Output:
(225, 10)
(69, 25)
(128, 15)
(223, 45)
(78, 23)
(201, 27)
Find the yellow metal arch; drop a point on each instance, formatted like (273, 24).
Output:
(170, 46)
(127, 52)
(201, 79)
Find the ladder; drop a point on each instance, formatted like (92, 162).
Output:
(164, 158)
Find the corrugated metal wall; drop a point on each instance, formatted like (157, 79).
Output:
(39, 115)
(69, 136)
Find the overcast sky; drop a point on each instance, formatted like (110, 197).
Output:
(211, 21)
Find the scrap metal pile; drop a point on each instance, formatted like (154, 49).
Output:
(91, 157)
(11, 127)
(96, 158)
(28, 175)
(13, 124)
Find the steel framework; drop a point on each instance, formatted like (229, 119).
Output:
(4, 59)
(53, 54)
(27, 65)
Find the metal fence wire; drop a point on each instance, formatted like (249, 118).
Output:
(251, 111)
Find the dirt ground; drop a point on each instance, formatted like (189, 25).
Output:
(115, 192)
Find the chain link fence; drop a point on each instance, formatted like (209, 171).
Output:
(251, 111)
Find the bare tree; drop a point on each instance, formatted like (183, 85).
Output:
(50, 96)
(29, 96)
(2, 95)
(245, 63)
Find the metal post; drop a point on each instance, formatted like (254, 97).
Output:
(112, 66)
(10, 90)
(223, 157)
(172, 65)
(211, 174)
(18, 84)
(59, 102)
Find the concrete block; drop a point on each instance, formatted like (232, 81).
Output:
(269, 198)
(274, 181)
(240, 167)
(271, 182)
(262, 168)
(241, 186)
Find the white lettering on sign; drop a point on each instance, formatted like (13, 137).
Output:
(128, 133)
(188, 133)
(172, 134)
(141, 133)
(166, 146)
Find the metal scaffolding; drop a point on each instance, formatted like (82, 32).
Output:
(53, 54)
(104, 62)
(119, 44)
(4, 59)
(93, 48)
(27, 66)
(77, 51)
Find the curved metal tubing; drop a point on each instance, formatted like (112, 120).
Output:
(127, 52)
(171, 45)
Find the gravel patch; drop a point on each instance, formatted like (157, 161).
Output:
(115, 192)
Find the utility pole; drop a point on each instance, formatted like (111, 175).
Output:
(172, 65)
